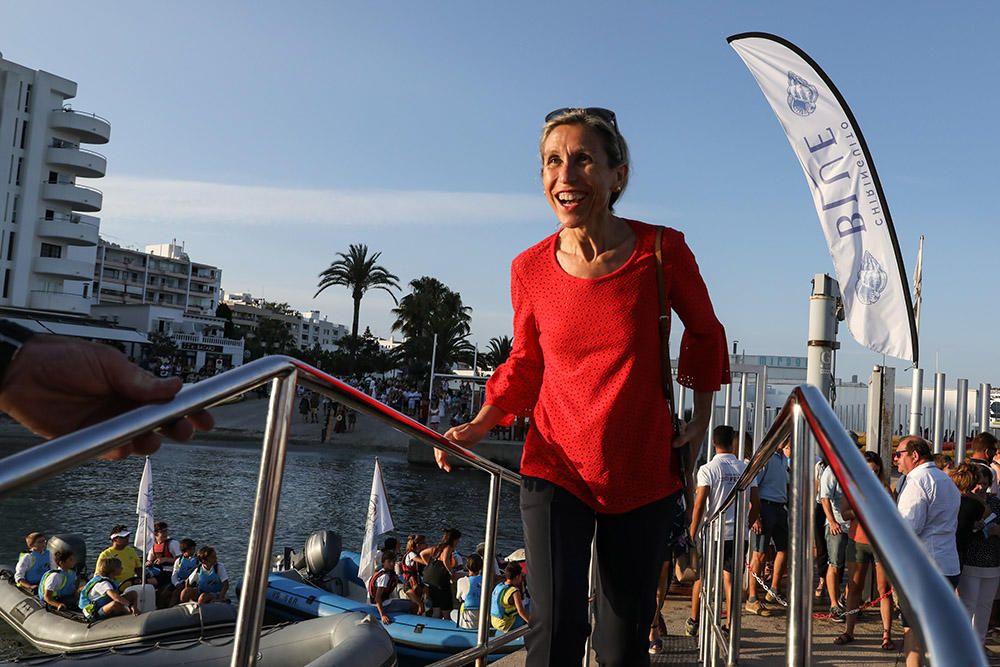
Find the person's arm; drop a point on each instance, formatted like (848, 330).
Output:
(693, 432)
(21, 571)
(698, 513)
(519, 605)
(56, 385)
(754, 505)
(830, 520)
(380, 594)
(50, 597)
(121, 599)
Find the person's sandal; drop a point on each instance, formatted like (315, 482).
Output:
(844, 638)
(887, 643)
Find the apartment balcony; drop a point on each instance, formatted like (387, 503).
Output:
(77, 197)
(61, 267)
(61, 302)
(87, 127)
(71, 230)
(77, 161)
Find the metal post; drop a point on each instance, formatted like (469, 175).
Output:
(938, 412)
(265, 514)
(822, 332)
(800, 591)
(707, 576)
(489, 558)
(430, 388)
(739, 538)
(718, 583)
(961, 419)
(475, 359)
(760, 406)
(984, 407)
(727, 415)
(591, 597)
(681, 401)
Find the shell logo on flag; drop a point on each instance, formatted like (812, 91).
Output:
(872, 280)
(802, 95)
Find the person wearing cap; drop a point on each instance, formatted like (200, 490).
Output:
(126, 554)
(601, 458)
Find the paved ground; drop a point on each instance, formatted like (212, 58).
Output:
(764, 640)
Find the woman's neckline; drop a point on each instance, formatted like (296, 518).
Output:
(606, 276)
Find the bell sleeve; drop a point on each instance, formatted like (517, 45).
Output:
(703, 363)
(515, 384)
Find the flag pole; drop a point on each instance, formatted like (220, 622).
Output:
(917, 386)
(144, 527)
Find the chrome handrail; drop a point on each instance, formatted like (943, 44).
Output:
(60, 454)
(926, 596)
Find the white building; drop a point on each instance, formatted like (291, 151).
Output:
(47, 240)
(315, 330)
(162, 275)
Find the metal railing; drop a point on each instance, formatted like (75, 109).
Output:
(926, 597)
(60, 454)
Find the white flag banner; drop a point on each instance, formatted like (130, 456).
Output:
(144, 508)
(378, 522)
(851, 206)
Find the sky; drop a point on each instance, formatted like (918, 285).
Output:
(269, 136)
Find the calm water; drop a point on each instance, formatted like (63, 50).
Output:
(205, 492)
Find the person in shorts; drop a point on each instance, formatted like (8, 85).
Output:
(772, 526)
(831, 496)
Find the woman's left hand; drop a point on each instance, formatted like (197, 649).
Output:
(691, 433)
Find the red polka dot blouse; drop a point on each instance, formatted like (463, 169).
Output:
(585, 366)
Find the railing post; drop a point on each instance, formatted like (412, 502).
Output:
(727, 417)
(984, 407)
(489, 558)
(961, 419)
(916, 401)
(939, 415)
(760, 406)
(718, 583)
(265, 514)
(801, 562)
(704, 633)
(739, 538)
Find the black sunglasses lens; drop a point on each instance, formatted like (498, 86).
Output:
(606, 115)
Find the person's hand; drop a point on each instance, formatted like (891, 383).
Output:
(386, 620)
(835, 528)
(57, 385)
(691, 433)
(466, 435)
(757, 528)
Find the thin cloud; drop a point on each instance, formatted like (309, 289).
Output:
(130, 198)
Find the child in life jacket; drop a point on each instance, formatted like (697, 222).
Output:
(507, 610)
(184, 566)
(33, 563)
(58, 588)
(412, 569)
(165, 551)
(100, 598)
(209, 582)
(470, 593)
(381, 587)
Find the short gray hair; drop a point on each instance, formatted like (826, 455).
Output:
(614, 143)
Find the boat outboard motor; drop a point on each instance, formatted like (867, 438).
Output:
(70, 542)
(322, 553)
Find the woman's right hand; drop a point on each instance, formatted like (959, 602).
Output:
(466, 435)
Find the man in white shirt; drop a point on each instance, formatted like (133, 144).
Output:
(715, 480)
(929, 502)
(833, 501)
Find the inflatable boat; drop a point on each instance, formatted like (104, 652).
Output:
(333, 641)
(324, 582)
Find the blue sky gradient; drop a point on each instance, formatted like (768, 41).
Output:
(268, 137)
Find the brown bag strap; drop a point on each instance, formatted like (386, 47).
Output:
(666, 370)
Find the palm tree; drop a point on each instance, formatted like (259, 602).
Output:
(360, 273)
(499, 350)
(432, 308)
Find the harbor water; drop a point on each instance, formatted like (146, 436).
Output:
(205, 491)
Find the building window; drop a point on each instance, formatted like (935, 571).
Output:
(20, 163)
(6, 282)
(49, 250)
(24, 133)
(13, 211)
(27, 99)
(53, 177)
(86, 289)
(10, 247)
(50, 214)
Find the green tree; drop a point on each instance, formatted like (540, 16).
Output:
(432, 308)
(499, 350)
(162, 346)
(232, 331)
(359, 272)
(273, 336)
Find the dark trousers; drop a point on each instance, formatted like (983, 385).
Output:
(631, 547)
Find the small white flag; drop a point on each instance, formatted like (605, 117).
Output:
(144, 508)
(378, 522)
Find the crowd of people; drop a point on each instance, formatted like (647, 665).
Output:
(178, 571)
(438, 582)
(951, 508)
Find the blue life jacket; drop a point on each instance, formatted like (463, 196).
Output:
(184, 566)
(502, 606)
(90, 607)
(209, 580)
(39, 566)
(65, 591)
(475, 594)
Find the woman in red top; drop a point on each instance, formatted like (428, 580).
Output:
(585, 366)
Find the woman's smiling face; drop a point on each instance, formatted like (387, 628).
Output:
(577, 179)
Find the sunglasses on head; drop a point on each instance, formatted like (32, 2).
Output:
(607, 115)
